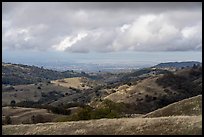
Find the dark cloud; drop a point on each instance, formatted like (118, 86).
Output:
(102, 27)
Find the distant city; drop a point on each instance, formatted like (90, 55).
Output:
(86, 67)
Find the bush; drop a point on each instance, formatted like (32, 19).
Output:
(8, 120)
(113, 91)
(28, 104)
(38, 119)
(104, 113)
(154, 98)
(13, 103)
(39, 87)
(66, 94)
(62, 119)
(108, 109)
(60, 110)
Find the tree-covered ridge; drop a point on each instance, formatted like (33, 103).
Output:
(178, 64)
(187, 83)
(17, 74)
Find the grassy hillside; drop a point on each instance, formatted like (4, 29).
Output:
(178, 125)
(21, 115)
(145, 96)
(42, 92)
(180, 118)
(191, 106)
(77, 83)
(159, 90)
(142, 96)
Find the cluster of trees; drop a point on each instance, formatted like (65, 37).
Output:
(187, 84)
(61, 109)
(108, 109)
(29, 104)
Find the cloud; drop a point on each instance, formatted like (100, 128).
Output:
(102, 27)
(69, 41)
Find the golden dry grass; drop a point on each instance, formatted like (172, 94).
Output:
(29, 92)
(190, 106)
(177, 125)
(76, 82)
(128, 94)
(23, 115)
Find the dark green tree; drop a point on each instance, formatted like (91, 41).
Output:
(13, 103)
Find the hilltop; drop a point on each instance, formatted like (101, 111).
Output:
(178, 64)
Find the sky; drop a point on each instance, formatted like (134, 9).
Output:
(118, 32)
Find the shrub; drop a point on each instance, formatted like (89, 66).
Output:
(38, 119)
(39, 87)
(13, 103)
(8, 120)
(154, 98)
(166, 90)
(109, 109)
(28, 104)
(66, 94)
(62, 119)
(60, 110)
(113, 91)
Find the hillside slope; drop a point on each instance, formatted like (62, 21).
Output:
(18, 74)
(191, 106)
(179, 125)
(159, 90)
(21, 115)
(145, 96)
(76, 82)
(188, 122)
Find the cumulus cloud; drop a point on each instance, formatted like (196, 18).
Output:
(102, 27)
(69, 41)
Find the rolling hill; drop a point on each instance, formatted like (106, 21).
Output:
(177, 64)
(157, 123)
(178, 125)
(159, 90)
(133, 102)
(20, 115)
(187, 107)
(18, 74)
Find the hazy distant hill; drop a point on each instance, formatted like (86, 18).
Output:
(17, 74)
(177, 64)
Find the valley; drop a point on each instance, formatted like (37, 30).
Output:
(141, 95)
